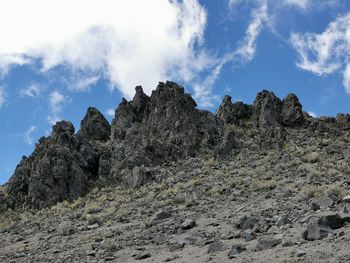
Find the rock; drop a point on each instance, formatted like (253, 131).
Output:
(333, 221)
(282, 221)
(188, 224)
(233, 112)
(291, 112)
(322, 227)
(321, 203)
(171, 258)
(248, 235)
(267, 243)
(94, 126)
(248, 222)
(216, 247)
(163, 127)
(266, 110)
(58, 169)
(235, 250)
(142, 255)
(160, 215)
(313, 231)
(346, 199)
(300, 253)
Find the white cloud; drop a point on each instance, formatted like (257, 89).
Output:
(244, 53)
(128, 42)
(110, 112)
(28, 135)
(346, 78)
(326, 52)
(31, 91)
(56, 101)
(312, 114)
(2, 97)
(303, 4)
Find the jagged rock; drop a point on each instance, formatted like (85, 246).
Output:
(291, 113)
(233, 112)
(94, 126)
(58, 170)
(266, 110)
(150, 131)
(165, 126)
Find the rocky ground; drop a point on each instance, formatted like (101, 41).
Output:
(280, 192)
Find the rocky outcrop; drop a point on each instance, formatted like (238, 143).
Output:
(60, 166)
(147, 132)
(233, 112)
(94, 126)
(163, 127)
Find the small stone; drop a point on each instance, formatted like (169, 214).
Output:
(235, 250)
(346, 199)
(142, 255)
(188, 224)
(300, 253)
(216, 247)
(249, 235)
(171, 258)
(267, 243)
(161, 215)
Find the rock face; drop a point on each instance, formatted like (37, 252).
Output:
(163, 127)
(60, 166)
(146, 132)
(233, 112)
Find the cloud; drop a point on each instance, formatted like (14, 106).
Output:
(312, 114)
(303, 4)
(127, 42)
(243, 54)
(110, 112)
(56, 100)
(33, 91)
(346, 78)
(326, 52)
(2, 97)
(28, 135)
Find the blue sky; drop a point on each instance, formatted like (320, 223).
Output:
(53, 68)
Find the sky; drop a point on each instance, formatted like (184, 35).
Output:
(59, 57)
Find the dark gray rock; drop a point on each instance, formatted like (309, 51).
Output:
(94, 126)
(188, 224)
(267, 243)
(235, 250)
(266, 110)
(142, 255)
(163, 127)
(291, 112)
(233, 112)
(58, 169)
(161, 215)
(216, 247)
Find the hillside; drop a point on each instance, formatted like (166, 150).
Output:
(166, 182)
